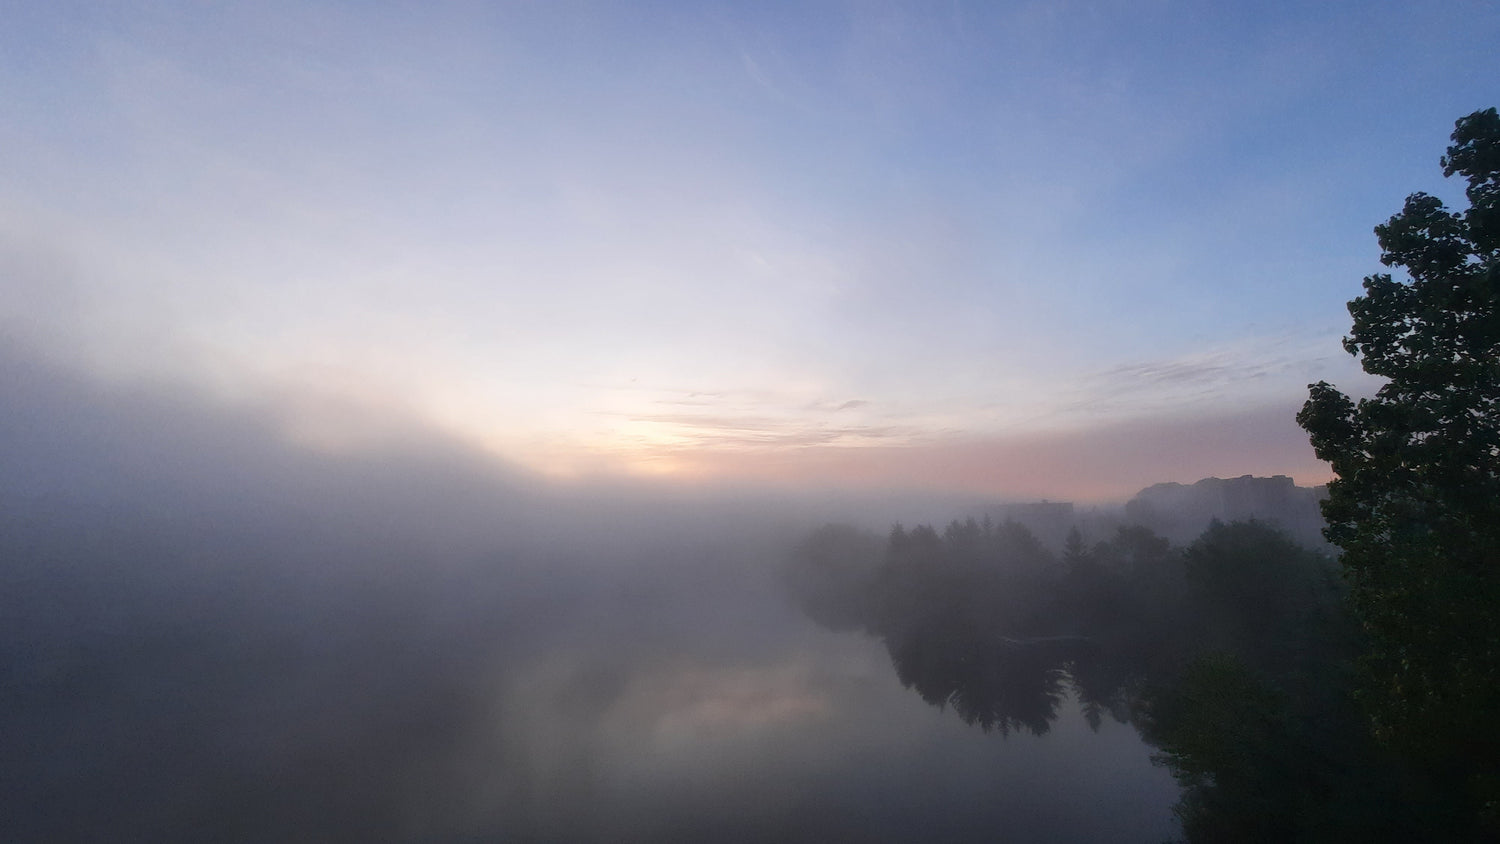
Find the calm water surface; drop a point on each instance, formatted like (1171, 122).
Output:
(634, 700)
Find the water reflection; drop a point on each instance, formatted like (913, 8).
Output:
(623, 708)
(995, 682)
(1232, 656)
(209, 635)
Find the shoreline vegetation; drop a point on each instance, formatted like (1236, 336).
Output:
(1234, 655)
(1295, 695)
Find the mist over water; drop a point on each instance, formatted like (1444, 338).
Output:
(212, 633)
(899, 421)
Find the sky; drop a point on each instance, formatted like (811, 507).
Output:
(1027, 249)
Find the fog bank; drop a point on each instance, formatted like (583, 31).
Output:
(212, 631)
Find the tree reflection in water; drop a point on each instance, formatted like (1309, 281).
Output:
(997, 683)
(1234, 657)
(981, 619)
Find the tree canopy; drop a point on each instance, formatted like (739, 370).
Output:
(1416, 504)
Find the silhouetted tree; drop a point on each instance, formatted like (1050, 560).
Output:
(1257, 593)
(1416, 505)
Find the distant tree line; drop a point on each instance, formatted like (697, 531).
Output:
(1234, 656)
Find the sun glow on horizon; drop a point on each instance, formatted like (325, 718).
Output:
(745, 240)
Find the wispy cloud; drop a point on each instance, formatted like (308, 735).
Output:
(1106, 462)
(747, 432)
(1252, 370)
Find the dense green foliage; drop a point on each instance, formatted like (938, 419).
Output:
(1416, 505)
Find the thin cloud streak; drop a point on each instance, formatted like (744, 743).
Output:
(1103, 464)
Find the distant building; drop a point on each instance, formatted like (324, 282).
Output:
(1181, 512)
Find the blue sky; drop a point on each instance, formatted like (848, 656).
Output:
(946, 245)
